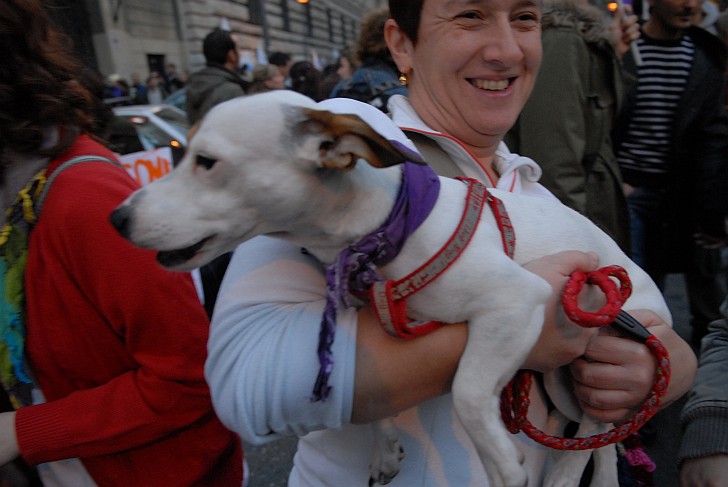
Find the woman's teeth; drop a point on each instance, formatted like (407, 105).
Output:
(490, 85)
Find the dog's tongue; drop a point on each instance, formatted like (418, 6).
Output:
(172, 258)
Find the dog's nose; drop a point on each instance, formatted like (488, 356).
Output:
(120, 219)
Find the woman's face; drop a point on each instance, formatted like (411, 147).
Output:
(474, 65)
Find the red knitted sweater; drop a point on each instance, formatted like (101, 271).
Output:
(117, 345)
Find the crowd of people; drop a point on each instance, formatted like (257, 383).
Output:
(365, 71)
(114, 371)
(157, 86)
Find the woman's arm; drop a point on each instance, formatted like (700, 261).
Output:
(262, 361)
(8, 440)
(704, 447)
(262, 353)
(393, 375)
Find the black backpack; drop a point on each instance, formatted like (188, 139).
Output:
(376, 96)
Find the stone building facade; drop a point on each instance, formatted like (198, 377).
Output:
(138, 36)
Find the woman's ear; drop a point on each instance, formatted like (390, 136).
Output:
(400, 46)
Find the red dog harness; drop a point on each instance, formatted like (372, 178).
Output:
(389, 298)
(390, 306)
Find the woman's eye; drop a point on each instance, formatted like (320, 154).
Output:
(528, 17)
(468, 15)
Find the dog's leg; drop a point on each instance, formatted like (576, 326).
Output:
(569, 466)
(386, 454)
(494, 351)
(605, 467)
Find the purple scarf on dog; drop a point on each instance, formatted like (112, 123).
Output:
(355, 266)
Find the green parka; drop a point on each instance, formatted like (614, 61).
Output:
(567, 122)
(211, 85)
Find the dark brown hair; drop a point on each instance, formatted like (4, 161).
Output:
(216, 46)
(38, 84)
(407, 14)
(370, 44)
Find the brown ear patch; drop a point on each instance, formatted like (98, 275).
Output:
(378, 151)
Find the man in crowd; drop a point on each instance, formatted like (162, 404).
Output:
(218, 81)
(671, 145)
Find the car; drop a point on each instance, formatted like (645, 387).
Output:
(177, 99)
(146, 128)
(139, 128)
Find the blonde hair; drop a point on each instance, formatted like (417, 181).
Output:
(264, 72)
(261, 74)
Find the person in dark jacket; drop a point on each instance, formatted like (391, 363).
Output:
(703, 454)
(671, 144)
(377, 77)
(218, 81)
(567, 122)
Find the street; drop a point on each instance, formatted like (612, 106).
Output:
(269, 464)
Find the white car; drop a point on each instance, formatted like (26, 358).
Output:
(139, 128)
(178, 99)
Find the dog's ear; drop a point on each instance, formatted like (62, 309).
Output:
(354, 139)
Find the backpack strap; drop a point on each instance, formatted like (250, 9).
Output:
(433, 154)
(384, 86)
(69, 163)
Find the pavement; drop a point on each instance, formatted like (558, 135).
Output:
(270, 464)
(662, 434)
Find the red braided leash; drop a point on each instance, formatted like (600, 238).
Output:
(515, 400)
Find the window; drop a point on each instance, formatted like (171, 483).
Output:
(330, 23)
(255, 11)
(344, 31)
(285, 16)
(309, 20)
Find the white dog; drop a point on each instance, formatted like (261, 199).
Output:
(278, 164)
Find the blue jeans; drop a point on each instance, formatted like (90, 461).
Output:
(705, 290)
(644, 208)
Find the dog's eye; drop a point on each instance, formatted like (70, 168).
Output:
(205, 162)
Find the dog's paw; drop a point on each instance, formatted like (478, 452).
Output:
(385, 462)
(568, 468)
(519, 479)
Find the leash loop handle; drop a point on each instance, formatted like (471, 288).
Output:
(616, 297)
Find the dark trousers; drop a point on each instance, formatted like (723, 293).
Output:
(702, 268)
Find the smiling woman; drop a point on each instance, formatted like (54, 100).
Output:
(488, 55)
(470, 67)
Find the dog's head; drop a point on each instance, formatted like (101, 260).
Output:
(276, 164)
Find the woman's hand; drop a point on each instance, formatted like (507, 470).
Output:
(616, 374)
(8, 441)
(624, 30)
(709, 471)
(562, 341)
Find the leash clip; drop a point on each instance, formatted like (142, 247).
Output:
(627, 324)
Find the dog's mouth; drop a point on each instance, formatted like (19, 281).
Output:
(174, 258)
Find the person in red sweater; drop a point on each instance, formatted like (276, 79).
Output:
(103, 357)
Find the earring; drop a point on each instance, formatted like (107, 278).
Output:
(403, 79)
